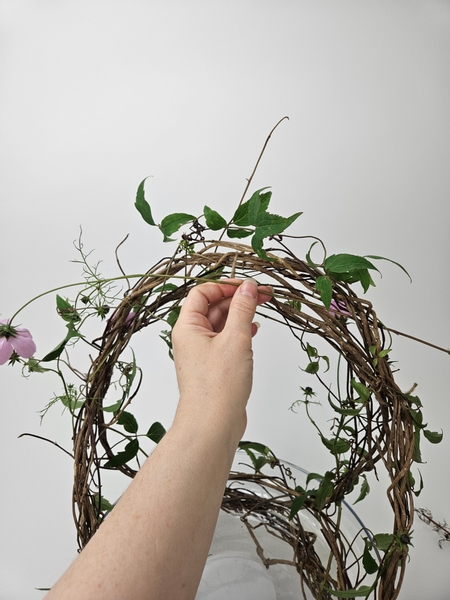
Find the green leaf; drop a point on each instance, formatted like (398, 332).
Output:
(327, 360)
(156, 432)
(33, 366)
(362, 592)
(363, 391)
(213, 220)
(414, 400)
(325, 490)
(349, 430)
(315, 476)
(412, 483)
(268, 225)
(433, 436)
(56, 352)
(142, 205)
(383, 541)
(297, 504)
(365, 489)
(165, 287)
(173, 316)
(350, 412)
(417, 417)
(66, 310)
(212, 273)
(113, 407)
(70, 401)
(129, 422)
(121, 458)
(173, 222)
(62, 304)
(311, 351)
(392, 261)
(254, 207)
(105, 505)
(312, 368)
(325, 288)
(417, 455)
(258, 447)
(238, 233)
(257, 461)
(385, 352)
(336, 445)
(363, 276)
(346, 263)
(257, 245)
(241, 216)
(350, 268)
(369, 563)
(129, 372)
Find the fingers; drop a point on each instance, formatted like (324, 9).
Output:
(212, 300)
(218, 312)
(242, 308)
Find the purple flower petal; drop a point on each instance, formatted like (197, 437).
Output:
(23, 343)
(21, 332)
(339, 308)
(130, 317)
(6, 349)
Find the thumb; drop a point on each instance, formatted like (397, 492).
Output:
(242, 308)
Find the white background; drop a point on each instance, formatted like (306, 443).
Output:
(96, 95)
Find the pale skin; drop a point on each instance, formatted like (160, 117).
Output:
(154, 544)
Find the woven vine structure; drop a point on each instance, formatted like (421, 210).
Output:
(383, 430)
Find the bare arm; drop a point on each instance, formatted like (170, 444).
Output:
(155, 542)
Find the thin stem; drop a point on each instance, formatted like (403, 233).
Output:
(416, 339)
(118, 261)
(107, 280)
(249, 180)
(39, 437)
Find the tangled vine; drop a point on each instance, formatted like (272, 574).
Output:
(376, 425)
(379, 414)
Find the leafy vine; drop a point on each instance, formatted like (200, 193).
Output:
(375, 425)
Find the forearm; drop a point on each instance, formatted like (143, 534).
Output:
(155, 542)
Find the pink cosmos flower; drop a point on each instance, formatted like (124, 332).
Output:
(338, 309)
(15, 339)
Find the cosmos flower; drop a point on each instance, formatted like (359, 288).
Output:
(15, 339)
(338, 309)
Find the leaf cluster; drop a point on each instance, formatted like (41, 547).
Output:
(251, 218)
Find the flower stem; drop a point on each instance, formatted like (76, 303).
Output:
(108, 280)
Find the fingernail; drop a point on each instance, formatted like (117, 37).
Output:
(249, 288)
(258, 325)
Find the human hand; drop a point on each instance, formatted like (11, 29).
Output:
(213, 352)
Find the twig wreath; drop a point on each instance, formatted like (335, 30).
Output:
(376, 424)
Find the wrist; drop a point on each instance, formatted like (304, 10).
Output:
(210, 426)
